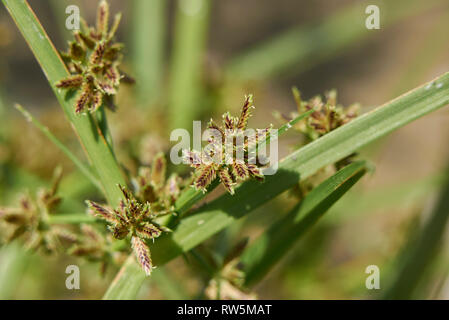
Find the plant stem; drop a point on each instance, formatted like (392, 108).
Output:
(71, 218)
(189, 45)
(148, 34)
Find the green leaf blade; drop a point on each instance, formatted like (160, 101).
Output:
(274, 243)
(127, 282)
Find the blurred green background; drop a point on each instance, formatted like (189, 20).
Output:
(194, 59)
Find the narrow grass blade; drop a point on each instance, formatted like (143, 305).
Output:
(189, 45)
(96, 147)
(127, 282)
(148, 35)
(274, 243)
(78, 163)
(342, 142)
(421, 251)
(303, 47)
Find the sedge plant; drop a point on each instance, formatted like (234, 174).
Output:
(145, 220)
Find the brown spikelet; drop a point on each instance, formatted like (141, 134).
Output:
(142, 254)
(246, 113)
(158, 170)
(233, 177)
(72, 82)
(255, 172)
(98, 53)
(97, 100)
(119, 231)
(205, 178)
(107, 88)
(13, 217)
(128, 195)
(83, 99)
(240, 170)
(148, 231)
(226, 180)
(99, 211)
(113, 75)
(228, 121)
(103, 18)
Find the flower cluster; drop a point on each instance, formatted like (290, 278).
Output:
(30, 221)
(133, 218)
(231, 152)
(34, 221)
(152, 186)
(95, 247)
(93, 60)
(327, 115)
(136, 215)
